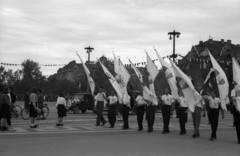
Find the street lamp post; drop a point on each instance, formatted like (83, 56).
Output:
(89, 50)
(174, 33)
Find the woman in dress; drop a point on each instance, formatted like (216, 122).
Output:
(61, 109)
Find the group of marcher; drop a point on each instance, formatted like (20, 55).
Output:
(213, 103)
(33, 104)
(7, 100)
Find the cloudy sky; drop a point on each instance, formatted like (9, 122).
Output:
(51, 31)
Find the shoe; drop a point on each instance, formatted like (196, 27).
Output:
(212, 138)
(194, 135)
(33, 126)
(57, 124)
(150, 130)
(164, 132)
(2, 129)
(111, 126)
(5, 128)
(43, 118)
(97, 125)
(103, 123)
(197, 135)
(125, 128)
(61, 124)
(140, 129)
(181, 133)
(36, 125)
(238, 142)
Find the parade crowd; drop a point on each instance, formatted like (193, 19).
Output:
(211, 104)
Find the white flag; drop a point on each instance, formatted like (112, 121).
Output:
(147, 94)
(190, 94)
(170, 76)
(152, 74)
(222, 82)
(236, 79)
(113, 81)
(90, 80)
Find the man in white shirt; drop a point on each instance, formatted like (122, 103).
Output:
(214, 105)
(183, 110)
(196, 115)
(100, 98)
(112, 109)
(236, 113)
(166, 110)
(140, 103)
(125, 110)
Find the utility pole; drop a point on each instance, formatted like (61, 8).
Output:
(174, 33)
(89, 50)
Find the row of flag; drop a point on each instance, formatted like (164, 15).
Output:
(47, 65)
(179, 83)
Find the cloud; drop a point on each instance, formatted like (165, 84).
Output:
(50, 31)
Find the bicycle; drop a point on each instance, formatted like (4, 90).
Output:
(16, 111)
(43, 114)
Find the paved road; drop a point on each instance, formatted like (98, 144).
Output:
(79, 136)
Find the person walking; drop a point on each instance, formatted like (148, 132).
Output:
(166, 110)
(151, 110)
(26, 101)
(236, 114)
(100, 98)
(196, 115)
(140, 104)
(33, 107)
(112, 109)
(214, 105)
(5, 105)
(125, 110)
(183, 110)
(61, 105)
(12, 98)
(40, 104)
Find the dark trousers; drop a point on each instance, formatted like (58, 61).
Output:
(151, 116)
(236, 115)
(99, 109)
(9, 115)
(213, 117)
(140, 114)
(196, 115)
(177, 107)
(182, 118)
(125, 114)
(166, 117)
(112, 114)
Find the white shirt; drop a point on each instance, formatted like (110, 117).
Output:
(112, 99)
(213, 102)
(183, 102)
(167, 99)
(100, 96)
(200, 103)
(126, 99)
(140, 100)
(10, 98)
(61, 101)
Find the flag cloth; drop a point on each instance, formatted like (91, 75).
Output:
(170, 76)
(112, 80)
(236, 79)
(89, 78)
(187, 88)
(152, 74)
(147, 94)
(222, 82)
(122, 76)
(206, 82)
